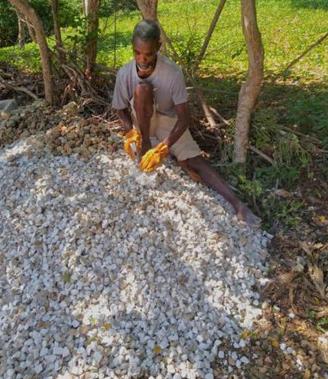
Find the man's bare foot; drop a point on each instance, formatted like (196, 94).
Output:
(246, 215)
(145, 146)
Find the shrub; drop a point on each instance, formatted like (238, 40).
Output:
(8, 24)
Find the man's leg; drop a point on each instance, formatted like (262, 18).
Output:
(212, 179)
(143, 106)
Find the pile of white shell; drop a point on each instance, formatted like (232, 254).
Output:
(111, 273)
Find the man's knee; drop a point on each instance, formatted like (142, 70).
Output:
(143, 99)
(143, 90)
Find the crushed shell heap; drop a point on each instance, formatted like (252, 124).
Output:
(113, 273)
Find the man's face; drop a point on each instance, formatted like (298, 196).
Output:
(145, 55)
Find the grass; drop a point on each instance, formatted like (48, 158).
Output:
(287, 27)
(227, 54)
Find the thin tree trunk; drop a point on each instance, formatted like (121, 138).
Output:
(29, 13)
(91, 8)
(21, 31)
(148, 8)
(251, 88)
(30, 29)
(59, 42)
(209, 33)
(85, 7)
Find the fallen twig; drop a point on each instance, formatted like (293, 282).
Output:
(221, 118)
(261, 154)
(206, 109)
(18, 88)
(314, 139)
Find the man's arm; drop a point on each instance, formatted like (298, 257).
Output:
(125, 117)
(181, 126)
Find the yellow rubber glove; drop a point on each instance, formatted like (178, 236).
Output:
(132, 143)
(154, 157)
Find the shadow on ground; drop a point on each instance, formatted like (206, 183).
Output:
(312, 4)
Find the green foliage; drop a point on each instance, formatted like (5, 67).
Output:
(108, 7)
(285, 176)
(289, 155)
(264, 128)
(226, 53)
(309, 110)
(76, 38)
(69, 12)
(257, 189)
(8, 24)
(187, 50)
(289, 151)
(29, 54)
(43, 9)
(253, 188)
(314, 4)
(285, 212)
(115, 49)
(322, 324)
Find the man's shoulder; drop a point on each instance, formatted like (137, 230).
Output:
(169, 65)
(126, 69)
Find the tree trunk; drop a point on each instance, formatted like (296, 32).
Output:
(84, 7)
(24, 8)
(21, 31)
(91, 8)
(148, 8)
(30, 29)
(59, 42)
(251, 88)
(209, 34)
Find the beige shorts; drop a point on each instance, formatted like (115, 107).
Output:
(160, 128)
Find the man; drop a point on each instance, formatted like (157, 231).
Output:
(150, 93)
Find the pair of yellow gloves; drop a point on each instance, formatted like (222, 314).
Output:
(149, 161)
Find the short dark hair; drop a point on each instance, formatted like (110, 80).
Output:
(147, 30)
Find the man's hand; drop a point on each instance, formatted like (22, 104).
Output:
(154, 157)
(132, 143)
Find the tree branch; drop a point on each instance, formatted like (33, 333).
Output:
(209, 34)
(261, 154)
(217, 114)
(18, 89)
(293, 62)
